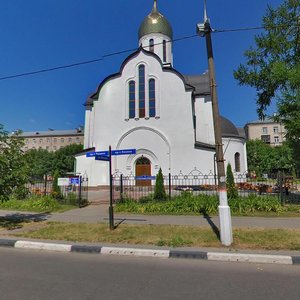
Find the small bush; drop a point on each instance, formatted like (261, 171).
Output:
(56, 192)
(230, 185)
(159, 190)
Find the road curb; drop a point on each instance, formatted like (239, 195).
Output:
(158, 253)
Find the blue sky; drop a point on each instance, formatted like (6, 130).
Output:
(40, 34)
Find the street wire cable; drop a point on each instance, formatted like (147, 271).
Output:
(129, 50)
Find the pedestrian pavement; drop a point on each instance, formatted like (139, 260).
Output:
(99, 214)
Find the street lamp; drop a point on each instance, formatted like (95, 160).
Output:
(204, 30)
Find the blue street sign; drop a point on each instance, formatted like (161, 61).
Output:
(145, 177)
(93, 154)
(101, 157)
(113, 152)
(74, 180)
(123, 152)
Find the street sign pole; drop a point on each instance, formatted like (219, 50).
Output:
(111, 209)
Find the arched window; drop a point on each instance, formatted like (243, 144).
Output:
(152, 98)
(131, 90)
(237, 162)
(164, 51)
(151, 45)
(141, 91)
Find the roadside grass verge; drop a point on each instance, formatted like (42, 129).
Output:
(165, 235)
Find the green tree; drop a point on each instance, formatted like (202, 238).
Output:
(273, 68)
(63, 159)
(230, 185)
(43, 162)
(40, 162)
(159, 190)
(263, 158)
(13, 166)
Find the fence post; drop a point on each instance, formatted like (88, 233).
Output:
(170, 185)
(45, 185)
(79, 193)
(121, 187)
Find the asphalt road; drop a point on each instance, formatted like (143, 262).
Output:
(47, 275)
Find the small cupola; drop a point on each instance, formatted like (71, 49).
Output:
(156, 34)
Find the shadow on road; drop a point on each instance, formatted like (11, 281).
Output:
(16, 220)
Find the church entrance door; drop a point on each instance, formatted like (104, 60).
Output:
(143, 168)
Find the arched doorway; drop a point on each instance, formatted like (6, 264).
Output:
(143, 168)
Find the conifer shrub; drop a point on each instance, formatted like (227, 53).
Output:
(159, 190)
(232, 192)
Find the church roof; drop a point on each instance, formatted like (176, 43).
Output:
(199, 82)
(229, 129)
(155, 22)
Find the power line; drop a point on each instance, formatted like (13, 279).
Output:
(126, 51)
(51, 69)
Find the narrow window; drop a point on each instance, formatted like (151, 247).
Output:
(151, 45)
(152, 98)
(141, 91)
(164, 51)
(237, 162)
(131, 99)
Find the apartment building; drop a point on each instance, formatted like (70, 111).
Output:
(267, 130)
(52, 140)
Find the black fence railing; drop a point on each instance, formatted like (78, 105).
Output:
(136, 188)
(74, 193)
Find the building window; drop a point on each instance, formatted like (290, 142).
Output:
(266, 139)
(265, 130)
(164, 51)
(41, 140)
(70, 140)
(151, 45)
(62, 140)
(48, 140)
(276, 139)
(152, 98)
(55, 140)
(34, 141)
(237, 162)
(131, 99)
(141, 91)
(275, 129)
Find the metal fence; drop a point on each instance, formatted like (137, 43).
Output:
(76, 193)
(137, 188)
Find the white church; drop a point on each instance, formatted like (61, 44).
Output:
(163, 114)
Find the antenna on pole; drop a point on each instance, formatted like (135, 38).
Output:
(205, 12)
(206, 19)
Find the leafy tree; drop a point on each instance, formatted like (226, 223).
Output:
(13, 167)
(263, 158)
(273, 68)
(63, 159)
(44, 162)
(40, 162)
(159, 190)
(230, 185)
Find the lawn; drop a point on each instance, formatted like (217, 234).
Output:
(165, 235)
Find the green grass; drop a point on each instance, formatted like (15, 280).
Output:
(35, 204)
(165, 235)
(187, 204)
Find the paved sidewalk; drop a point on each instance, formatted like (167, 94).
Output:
(99, 213)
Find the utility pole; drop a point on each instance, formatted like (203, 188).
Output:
(204, 30)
